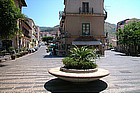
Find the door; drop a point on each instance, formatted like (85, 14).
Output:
(85, 7)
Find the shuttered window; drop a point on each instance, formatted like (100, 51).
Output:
(86, 29)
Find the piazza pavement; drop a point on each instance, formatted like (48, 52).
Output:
(29, 74)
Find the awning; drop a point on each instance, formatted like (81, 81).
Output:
(88, 43)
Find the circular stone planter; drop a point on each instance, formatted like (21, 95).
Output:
(74, 75)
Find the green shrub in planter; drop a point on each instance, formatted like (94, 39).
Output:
(13, 56)
(81, 58)
(3, 52)
(18, 55)
(12, 53)
(26, 52)
(21, 53)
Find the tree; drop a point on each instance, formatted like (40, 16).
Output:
(47, 38)
(130, 37)
(9, 14)
(120, 36)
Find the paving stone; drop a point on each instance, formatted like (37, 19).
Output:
(29, 74)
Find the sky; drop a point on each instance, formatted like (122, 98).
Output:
(46, 12)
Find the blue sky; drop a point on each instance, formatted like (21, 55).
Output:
(122, 9)
(46, 12)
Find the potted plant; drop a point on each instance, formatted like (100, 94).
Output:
(80, 66)
(81, 58)
(12, 52)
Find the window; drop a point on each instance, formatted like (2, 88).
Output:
(86, 29)
(85, 7)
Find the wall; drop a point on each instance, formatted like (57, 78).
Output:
(72, 6)
(74, 25)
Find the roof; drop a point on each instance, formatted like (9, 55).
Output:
(23, 3)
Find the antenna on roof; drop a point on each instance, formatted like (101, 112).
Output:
(107, 8)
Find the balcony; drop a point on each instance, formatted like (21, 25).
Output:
(86, 11)
(61, 29)
(65, 34)
(26, 32)
(105, 13)
(62, 15)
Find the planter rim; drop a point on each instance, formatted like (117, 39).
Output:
(63, 69)
(78, 77)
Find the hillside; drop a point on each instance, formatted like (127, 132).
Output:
(111, 29)
(49, 29)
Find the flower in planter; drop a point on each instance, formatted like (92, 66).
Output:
(81, 58)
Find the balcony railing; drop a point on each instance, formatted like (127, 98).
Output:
(65, 34)
(62, 15)
(86, 11)
(105, 12)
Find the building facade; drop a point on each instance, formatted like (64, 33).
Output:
(38, 34)
(19, 40)
(15, 42)
(82, 24)
(20, 3)
(34, 33)
(28, 36)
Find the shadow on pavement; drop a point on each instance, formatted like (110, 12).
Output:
(52, 56)
(2, 65)
(120, 54)
(61, 86)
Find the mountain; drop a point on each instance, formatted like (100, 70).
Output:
(110, 29)
(49, 29)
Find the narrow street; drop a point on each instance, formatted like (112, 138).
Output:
(29, 74)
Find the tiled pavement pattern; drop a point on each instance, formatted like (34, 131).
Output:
(124, 72)
(29, 74)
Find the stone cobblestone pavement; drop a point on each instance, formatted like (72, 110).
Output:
(124, 72)
(29, 74)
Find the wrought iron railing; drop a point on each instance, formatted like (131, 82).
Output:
(86, 11)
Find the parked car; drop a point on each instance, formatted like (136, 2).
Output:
(36, 48)
(31, 50)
